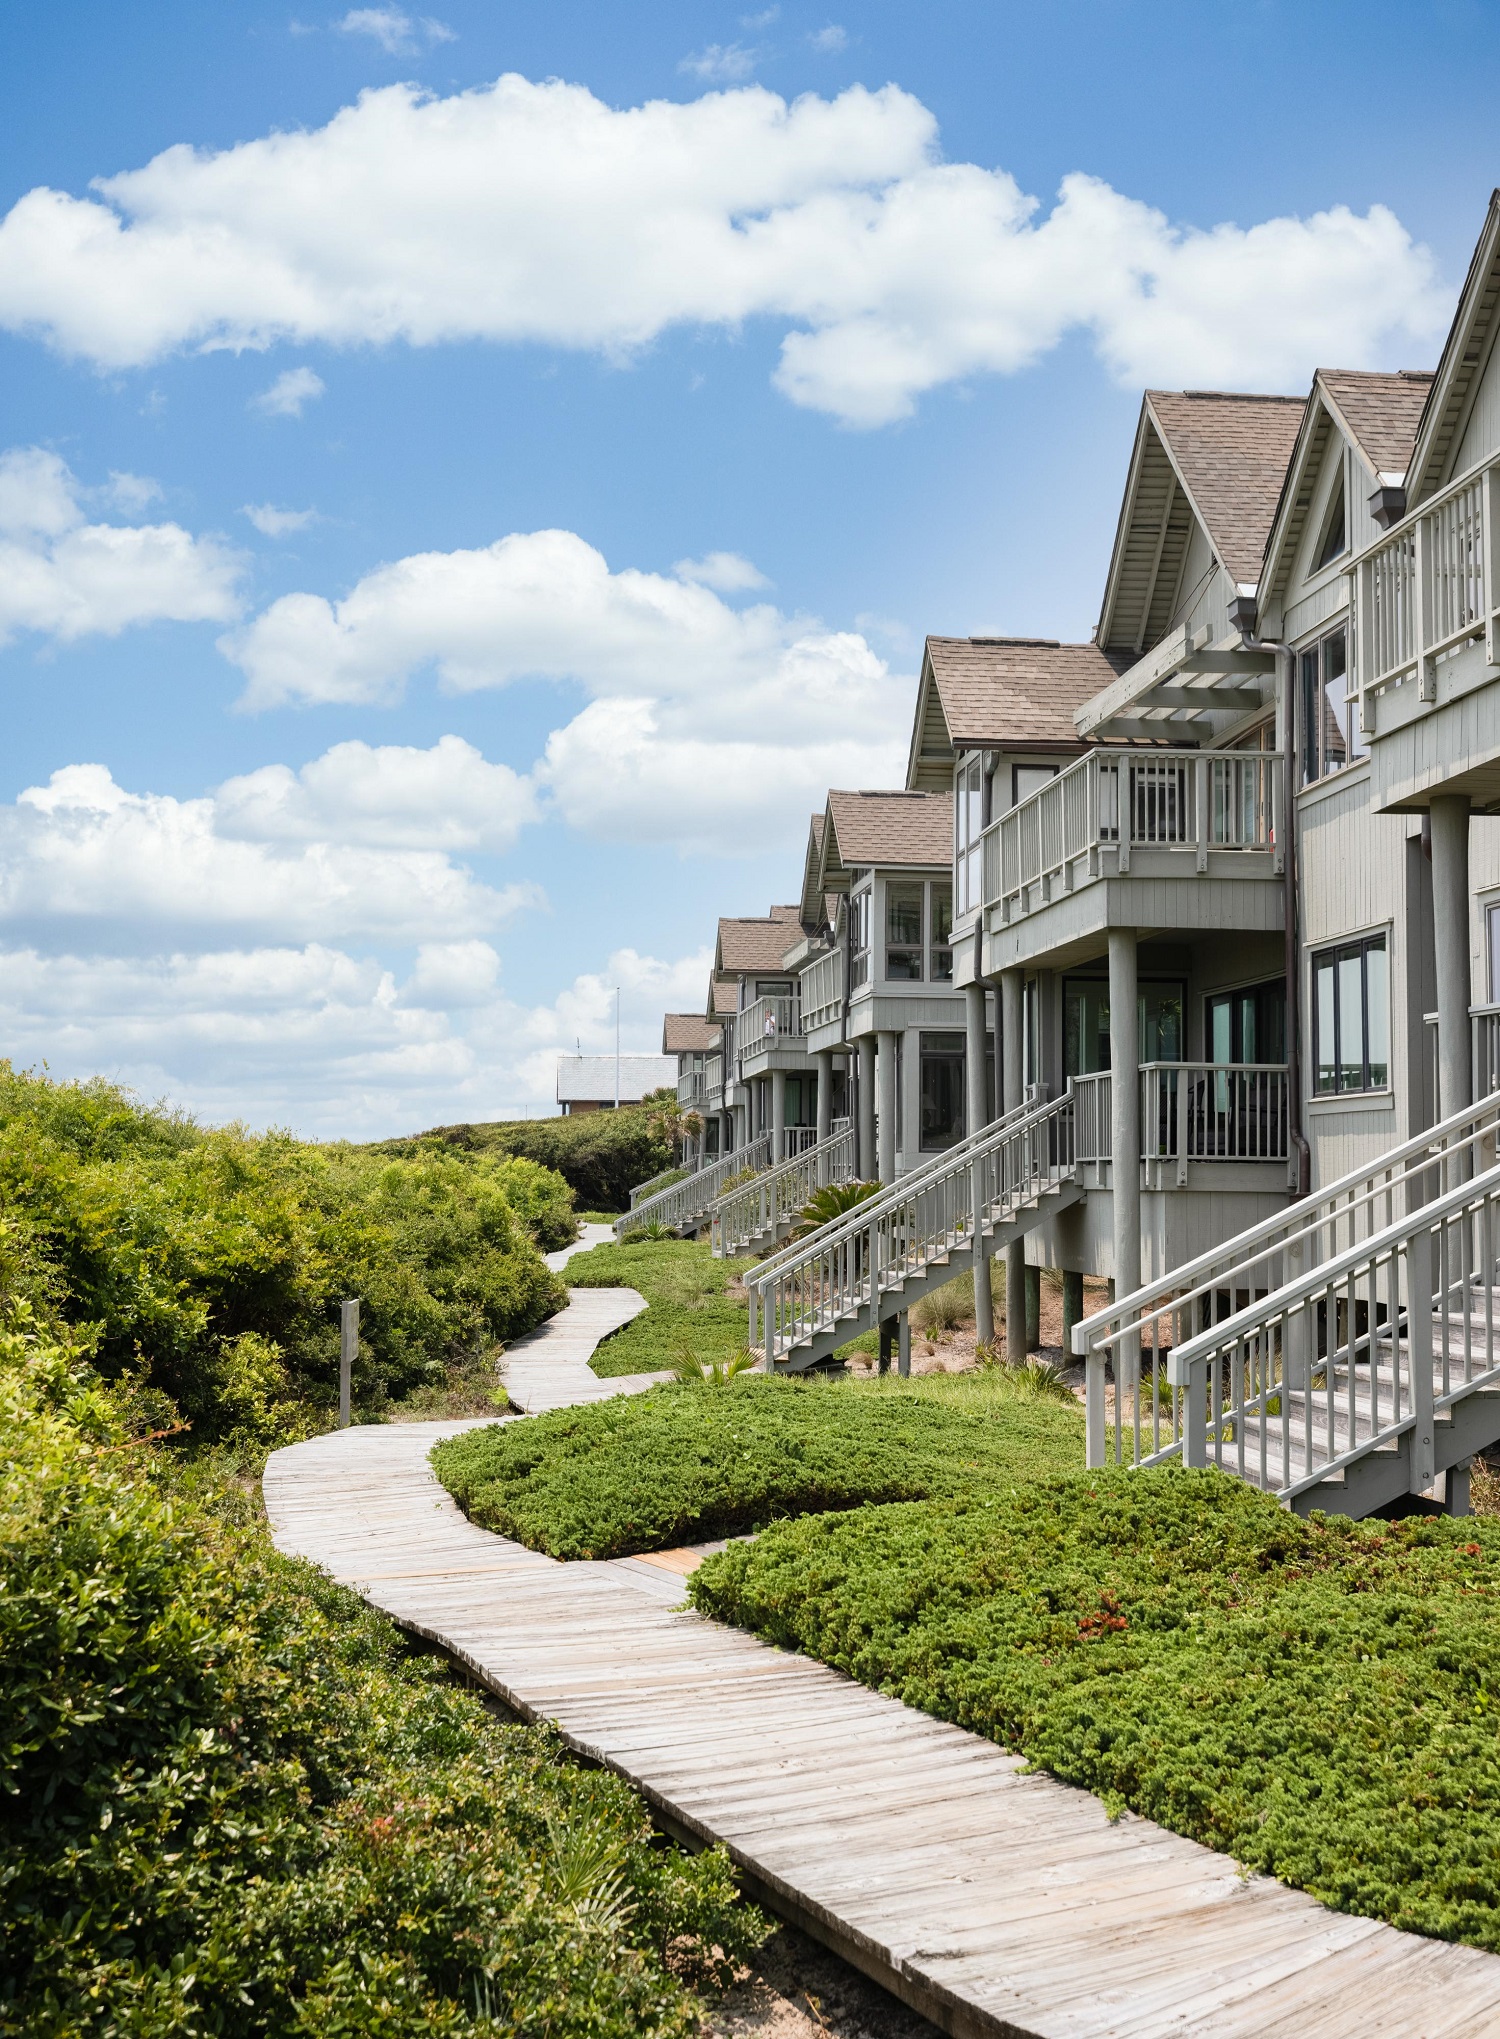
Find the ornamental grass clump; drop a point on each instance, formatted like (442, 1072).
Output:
(1319, 1699)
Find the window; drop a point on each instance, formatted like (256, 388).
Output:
(1330, 713)
(1028, 779)
(903, 932)
(1492, 929)
(861, 914)
(940, 952)
(1335, 531)
(1247, 1025)
(766, 987)
(942, 1072)
(968, 826)
(802, 1100)
(1351, 1017)
(1086, 1023)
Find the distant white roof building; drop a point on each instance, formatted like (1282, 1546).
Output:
(586, 1083)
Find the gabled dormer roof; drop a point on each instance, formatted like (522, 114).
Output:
(1377, 415)
(999, 693)
(893, 831)
(756, 943)
(1204, 456)
(687, 1033)
(1466, 353)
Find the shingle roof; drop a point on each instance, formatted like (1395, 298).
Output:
(998, 691)
(724, 995)
(758, 944)
(1381, 411)
(590, 1079)
(1232, 454)
(890, 828)
(687, 1033)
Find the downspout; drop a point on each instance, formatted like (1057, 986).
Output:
(1243, 613)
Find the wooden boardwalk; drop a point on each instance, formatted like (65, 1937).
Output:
(991, 1901)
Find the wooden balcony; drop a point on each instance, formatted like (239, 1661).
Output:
(1183, 816)
(1193, 1114)
(821, 990)
(768, 1035)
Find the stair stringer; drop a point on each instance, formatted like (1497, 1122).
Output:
(818, 1349)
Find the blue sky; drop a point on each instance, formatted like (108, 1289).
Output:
(612, 437)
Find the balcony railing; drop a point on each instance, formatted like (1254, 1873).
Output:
(1191, 1111)
(1429, 588)
(822, 990)
(690, 1088)
(713, 1082)
(765, 1024)
(1186, 802)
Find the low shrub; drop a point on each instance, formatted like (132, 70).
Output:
(600, 1155)
(234, 1801)
(215, 1261)
(687, 1303)
(947, 1308)
(1317, 1698)
(682, 1464)
(540, 1198)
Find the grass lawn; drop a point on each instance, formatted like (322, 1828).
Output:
(1319, 1699)
(686, 1305)
(684, 1463)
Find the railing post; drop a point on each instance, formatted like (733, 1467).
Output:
(1095, 1434)
(1194, 1417)
(751, 1296)
(1422, 608)
(1489, 553)
(348, 1348)
(1200, 793)
(1423, 1463)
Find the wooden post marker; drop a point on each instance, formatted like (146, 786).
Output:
(348, 1346)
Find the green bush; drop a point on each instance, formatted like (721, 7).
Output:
(234, 1801)
(1317, 1698)
(180, 1244)
(540, 1198)
(682, 1464)
(686, 1303)
(600, 1155)
(945, 1309)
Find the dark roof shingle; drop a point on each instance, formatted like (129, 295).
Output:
(1232, 453)
(998, 691)
(758, 944)
(687, 1033)
(1381, 411)
(891, 828)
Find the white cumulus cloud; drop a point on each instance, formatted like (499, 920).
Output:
(446, 798)
(66, 577)
(290, 393)
(86, 852)
(730, 572)
(274, 523)
(536, 213)
(397, 34)
(828, 42)
(721, 63)
(708, 725)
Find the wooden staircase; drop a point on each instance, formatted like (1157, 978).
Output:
(1341, 1355)
(852, 1274)
(758, 1214)
(683, 1207)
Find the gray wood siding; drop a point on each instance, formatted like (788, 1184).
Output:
(1481, 434)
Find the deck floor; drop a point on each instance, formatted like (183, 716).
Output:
(990, 1900)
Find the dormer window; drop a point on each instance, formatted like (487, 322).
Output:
(1335, 530)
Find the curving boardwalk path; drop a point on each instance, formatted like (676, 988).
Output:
(991, 1901)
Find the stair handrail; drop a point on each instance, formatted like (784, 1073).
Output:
(648, 1188)
(914, 1178)
(885, 1240)
(1152, 1318)
(695, 1192)
(836, 1149)
(1438, 1242)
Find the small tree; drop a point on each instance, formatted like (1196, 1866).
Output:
(669, 1122)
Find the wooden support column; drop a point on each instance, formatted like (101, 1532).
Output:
(868, 1161)
(778, 1116)
(825, 1109)
(1072, 1308)
(1012, 1087)
(1033, 1309)
(977, 1115)
(885, 1133)
(1450, 921)
(1125, 1129)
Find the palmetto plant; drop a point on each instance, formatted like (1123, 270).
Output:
(834, 1201)
(588, 1861)
(688, 1366)
(671, 1124)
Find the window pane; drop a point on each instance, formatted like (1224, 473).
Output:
(1379, 1015)
(1220, 1036)
(1028, 778)
(1311, 765)
(1492, 924)
(1335, 703)
(1327, 1034)
(1160, 1022)
(903, 913)
(942, 1073)
(1351, 1022)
